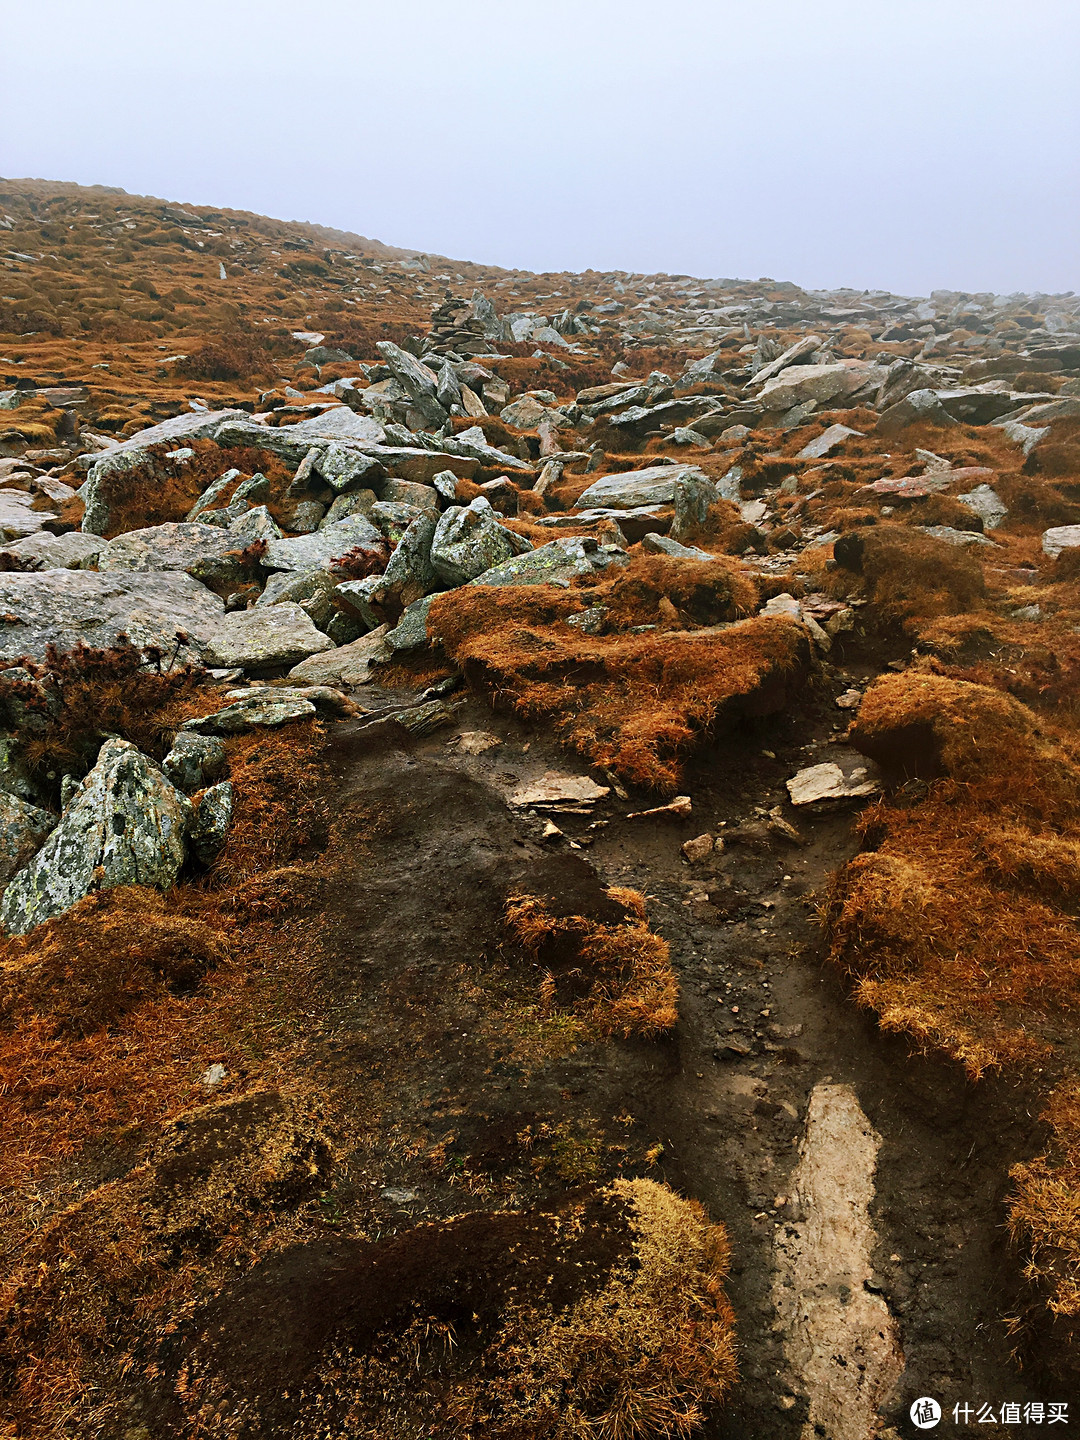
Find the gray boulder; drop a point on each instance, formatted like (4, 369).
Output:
(653, 486)
(408, 576)
(64, 607)
(347, 665)
(556, 563)
(45, 551)
(798, 384)
(1059, 538)
(417, 379)
(265, 637)
(469, 540)
(213, 492)
(202, 551)
(985, 502)
(694, 494)
(258, 712)
(17, 516)
(411, 631)
(664, 545)
(24, 829)
(340, 423)
(919, 405)
(527, 412)
(193, 761)
(700, 371)
(473, 444)
(825, 443)
(317, 550)
(15, 778)
(125, 826)
(255, 524)
(343, 467)
(312, 590)
(209, 828)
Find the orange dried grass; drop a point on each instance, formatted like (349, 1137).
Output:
(635, 703)
(632, 988)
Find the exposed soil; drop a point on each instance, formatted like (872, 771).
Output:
(730, 1123)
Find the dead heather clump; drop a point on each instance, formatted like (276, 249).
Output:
(92, 964)
(910, 576)
(360, 561)
(227, 357)
(605, 966)
(637, 703)
(72, 701)
(162, 491)
(106, 1276)
(103, 1008)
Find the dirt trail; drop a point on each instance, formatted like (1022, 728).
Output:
(862, 1183)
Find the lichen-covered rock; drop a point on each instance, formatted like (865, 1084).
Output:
(258, 712)
(653, 486)
(18, 518)
(254, 524)
(125, 826)
(206, 552)
(312, 590)
(411, 632)
(469, 540)
(14, 771)
(210, 822)
(693, 495)
(664, 545)
(556, 563)
(348, 665)
(23, 830)
(407, 578)
(265, 637)
(46, 551)
(64, 607)
(193, 761)
(317, 550)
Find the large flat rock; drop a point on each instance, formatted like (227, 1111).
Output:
(205, 551)
(317, 550)
(66, 607)
(654, 486)
(265, 637)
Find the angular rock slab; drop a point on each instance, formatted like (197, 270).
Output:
(18, 518)
(319, 549)
(1059, 538)
(46, 551)
(255, 713)
(654, 486)
(204, 551)
(348, 665)
(266, 636)
(125, 826)
(828, 782)
(554, 564)
(66, 607)
(23, 830)
(469, 540)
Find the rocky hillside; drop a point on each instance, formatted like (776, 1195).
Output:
(540, 835)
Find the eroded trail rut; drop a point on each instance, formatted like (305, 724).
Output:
(862, 1183)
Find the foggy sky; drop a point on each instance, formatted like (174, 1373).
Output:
(900, 144)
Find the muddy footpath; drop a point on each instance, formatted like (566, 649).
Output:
(862, 1182)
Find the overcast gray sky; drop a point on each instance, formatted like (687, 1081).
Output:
(907, 144)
